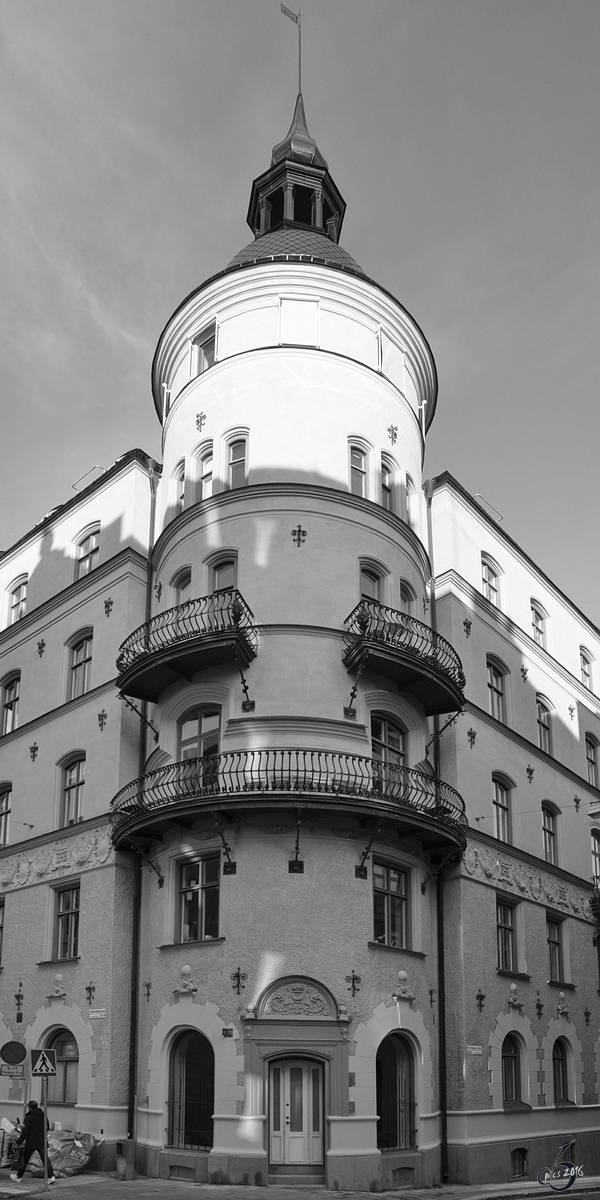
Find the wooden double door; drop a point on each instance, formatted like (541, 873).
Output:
(296, 1112)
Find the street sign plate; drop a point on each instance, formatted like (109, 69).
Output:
(12, 1052)
(43, 1062)
(12, 1069)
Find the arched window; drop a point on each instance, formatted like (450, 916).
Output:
(72, 790)
(596, 856)
(502, 806)
(199, 733)
(370, 584)
(490, 580)
(591, 756)
(88, 552)
(10, 703)
(182, 585)
(560, 1071)
(394, 1067)
(518, 1163)
(358, 471)
(191, 1092)
(496, 681)
(387, 478)
(5, 795)
(585, 662)
(543, 725)
(550, 832)
(408, 599)
(538, 624)
(237, 463)
(179, 488)
(62, 1088)
(205, 474)
(511, 1069)
(80, 666)
(17, 600)
(224, 575)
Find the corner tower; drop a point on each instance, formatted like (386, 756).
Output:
(290, 666)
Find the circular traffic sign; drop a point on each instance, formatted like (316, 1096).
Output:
(12, 1052)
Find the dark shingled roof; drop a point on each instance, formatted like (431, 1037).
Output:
(293, 242)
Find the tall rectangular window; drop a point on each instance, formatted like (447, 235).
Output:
(386, 484)
(88, 552)
(586, 669)
(543, 726)
(5, 796)
(538, 625)
(9, 718)
(237, 463)
(81, 667)
(555, 950)
(506, 935)
(390, 905)
(67, 922)
(489, 582)
(1, 928)
(199, 900)
(203, 351)
(596, 857)
(549, 834)
(591, 755)
(358, 471)
(501, 811)
(74, 781)
(496, 691)
(206, 476)
(18, 602)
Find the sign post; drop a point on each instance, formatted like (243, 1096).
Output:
(43, 1064)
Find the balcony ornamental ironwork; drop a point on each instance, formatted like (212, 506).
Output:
(199, 633)
(196, 782)
(398, 646)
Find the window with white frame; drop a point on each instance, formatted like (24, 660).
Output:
(544, 726)
(506, 935)
(62, 1087)
(411, 503)
(496, 682)
(205, 474)
(182, 585)
(387, 479)
(80, 666)
(199, 899)
(502, 806)
(591, 756)
(224, 574)
(538, 624)
(179, 487)
(596, 856)
(390, 904)
(585, 663)
(203, 351)
(490, 582)
(408, 599)
(73, 783)
(370, 584)
(17, 600)
(550, 833)
(554, 939)
(9, 693)
(66, 930)
(5, 798)
(199, 733)
(358, 471)
(88, 553)
(388, 752)
(237, 463)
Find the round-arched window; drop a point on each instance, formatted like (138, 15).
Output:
(559, 1070)
(62, 1089)
(192, 1092)
(395, 1094)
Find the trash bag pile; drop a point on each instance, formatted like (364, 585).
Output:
(68, 1152)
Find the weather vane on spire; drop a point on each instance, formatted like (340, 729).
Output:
(295, 17)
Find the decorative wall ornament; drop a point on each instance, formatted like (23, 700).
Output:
(513, 999)
(403, 991)
(576, 802)
(33, 750)
(539, 1005)
(393, 434)
(524, 673)
(102, 719)
(108, 606)
(471, 734)
(354, 981)
(467, 626)
(587, 1014)
(19, 998)
(158, 590)
(572, 711)
(561, 1007)
(480, 997)
(41, 646)
(147, 988)
(299, 535)
(524, 880)
(90, 992)
(530, 770)
(239, 980)
(75, 853)
(186, 986)
(297, 999)
(200, 421)
(58, 990)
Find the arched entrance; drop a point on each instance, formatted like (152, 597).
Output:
(395, 1094)
(191, 1092)
(296, 1112)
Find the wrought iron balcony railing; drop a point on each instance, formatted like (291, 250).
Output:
(409, 651)
(284, 772)
(195, 634)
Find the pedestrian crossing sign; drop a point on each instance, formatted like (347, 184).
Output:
(43, 1062)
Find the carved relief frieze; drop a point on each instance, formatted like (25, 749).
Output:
(77, 853)
(483, 863)
(297, 1000)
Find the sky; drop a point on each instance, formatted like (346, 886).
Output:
(464, 136)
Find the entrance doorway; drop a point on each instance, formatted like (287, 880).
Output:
(296, 1112)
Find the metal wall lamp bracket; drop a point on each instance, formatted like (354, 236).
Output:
(296, 864)
(229, 867)
(143, 719)
(360, 871)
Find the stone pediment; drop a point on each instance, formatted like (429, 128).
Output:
(297, 997)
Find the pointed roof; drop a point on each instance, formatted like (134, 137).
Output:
(298, 145)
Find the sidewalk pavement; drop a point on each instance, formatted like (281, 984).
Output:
(108, 1187)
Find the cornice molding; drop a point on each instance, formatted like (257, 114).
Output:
(25, 729)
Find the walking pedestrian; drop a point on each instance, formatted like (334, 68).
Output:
(33, 1137)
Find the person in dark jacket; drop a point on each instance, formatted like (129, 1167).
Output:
(33, 1137)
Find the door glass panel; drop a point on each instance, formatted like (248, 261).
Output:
(276, 1100)
(296, 1100)
(316, 1101)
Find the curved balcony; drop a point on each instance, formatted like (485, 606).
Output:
(417, 658)
(180, 641)
(184, 791)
